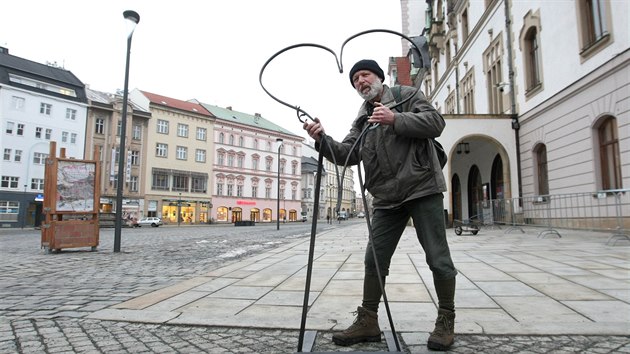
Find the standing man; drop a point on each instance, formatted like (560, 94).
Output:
(405, 178)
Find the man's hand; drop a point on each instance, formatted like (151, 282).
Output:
(381, 115)
(314, 129)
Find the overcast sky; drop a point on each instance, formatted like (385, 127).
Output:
(213, 51)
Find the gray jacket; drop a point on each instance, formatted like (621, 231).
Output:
(400, 162)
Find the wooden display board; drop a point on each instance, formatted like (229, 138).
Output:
(71, 197)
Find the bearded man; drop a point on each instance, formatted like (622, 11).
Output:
(404, 176)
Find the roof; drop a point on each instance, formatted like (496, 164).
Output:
(106, 98)
(10, 64)
(257, 121)
(188, 106)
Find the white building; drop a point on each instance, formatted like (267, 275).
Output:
(38, 104)
(535, 94)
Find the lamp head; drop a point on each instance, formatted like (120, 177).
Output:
(132, 18)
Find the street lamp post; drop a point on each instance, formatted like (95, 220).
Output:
(278, 140)
(25, 208)
(132, 18)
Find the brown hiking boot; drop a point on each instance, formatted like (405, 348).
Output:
(443, 335)
(364, 329)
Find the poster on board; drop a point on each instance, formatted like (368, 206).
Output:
(75, 186)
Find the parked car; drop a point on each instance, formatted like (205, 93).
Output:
(150, 221)
(361, 214)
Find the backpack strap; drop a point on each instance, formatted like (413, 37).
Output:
(397, 96)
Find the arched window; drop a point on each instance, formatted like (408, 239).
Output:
(221, 138)
(532, 62)
(610, 163)
(540, 155)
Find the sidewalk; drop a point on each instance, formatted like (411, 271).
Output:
(508, 284)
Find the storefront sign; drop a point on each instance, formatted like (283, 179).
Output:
(245, 202)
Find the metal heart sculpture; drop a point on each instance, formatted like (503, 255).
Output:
(418, 54)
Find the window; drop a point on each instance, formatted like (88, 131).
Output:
(221, 138)
(532, 61)
(119, 128)
(7, 154)
(465, 27)
(9, 182)
(39, 158)
(161, 150)
(17, 157)
(255, 145)
(239, 190)
(450, 103)
(468, 92)
(180, 183)
(133, 183)
(219, 188)
(64, 137)
(99, 126)
(230, 160)
(294, 168)
(254, 191)
(37, 184)
(73, 138)
(267, 192)
(136, 132)
(20, 129)
(48, 134)
(199, 184)
(182, 130)
(17, 103)
(255, 163)
(221, 158)
(610, 162)
(540, 152)
(494, 76)
(268, 146)
(201, 134)
(447, 52)
(200, 155)
(45, 108)
(593, 24)
(239, 161)
(241, 141)
(9, 210)
(134, 157)
(162, 126)
(231, 139)
(160, 181)
(10, 127)
(268, 164)
(38, 132)
(182, 153)
(71, 114)
(230, 190)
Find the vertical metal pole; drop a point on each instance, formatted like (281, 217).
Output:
(121, 155)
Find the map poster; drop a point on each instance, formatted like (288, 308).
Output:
(75, 186)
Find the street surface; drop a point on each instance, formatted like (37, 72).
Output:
(46, 297)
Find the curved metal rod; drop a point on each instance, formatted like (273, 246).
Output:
(300, 112)
(339, 60)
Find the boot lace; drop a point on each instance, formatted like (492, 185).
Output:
(442, 326)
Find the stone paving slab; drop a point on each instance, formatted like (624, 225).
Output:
(507, 284)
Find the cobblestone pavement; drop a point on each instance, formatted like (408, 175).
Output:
(44, 298)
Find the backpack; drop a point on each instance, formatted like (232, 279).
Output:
(439, 149)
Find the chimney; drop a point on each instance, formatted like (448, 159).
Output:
(229, 108)
(4, 50)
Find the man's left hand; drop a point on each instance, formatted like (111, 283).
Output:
(381, 115)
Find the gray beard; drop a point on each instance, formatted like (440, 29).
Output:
(375, 89)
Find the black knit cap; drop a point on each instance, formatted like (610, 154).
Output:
(367, 64)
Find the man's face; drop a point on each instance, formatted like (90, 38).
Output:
(367, 84)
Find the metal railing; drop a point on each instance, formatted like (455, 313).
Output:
(607, 210)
